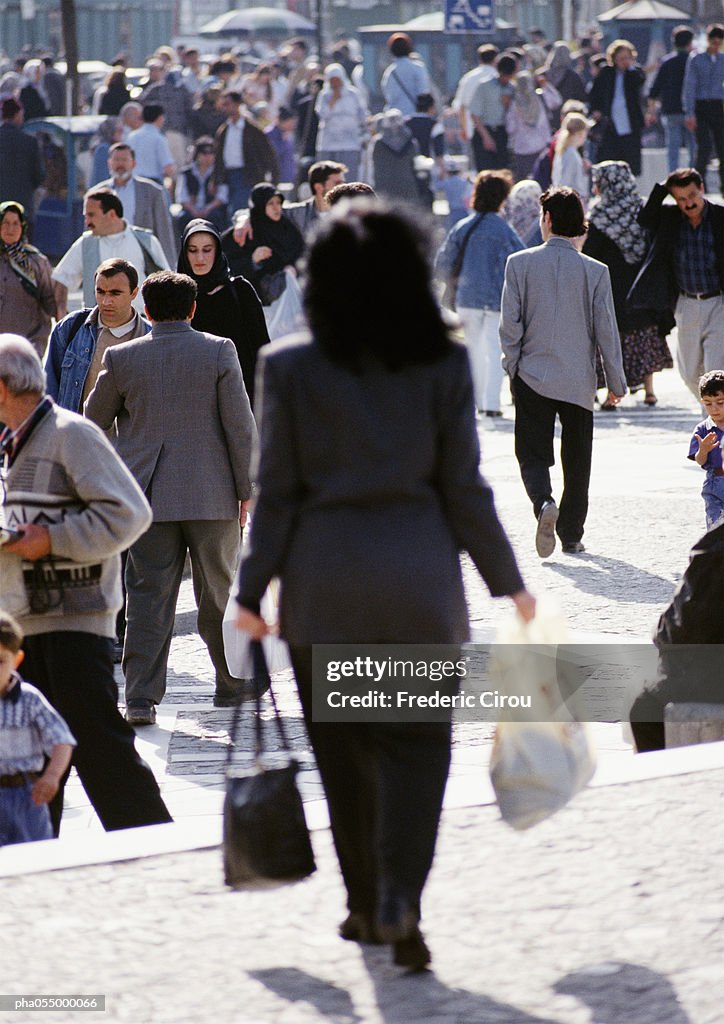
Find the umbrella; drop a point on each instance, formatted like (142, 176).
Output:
(258, 21)
(644, 10)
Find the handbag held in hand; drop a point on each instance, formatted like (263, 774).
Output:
(266, 841)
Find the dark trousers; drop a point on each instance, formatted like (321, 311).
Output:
(709, 136)
(491, 159)
(75, 672)
(621, 147)
(535, 420)
(384, 785)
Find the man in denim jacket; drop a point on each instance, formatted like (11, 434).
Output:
(78, 342)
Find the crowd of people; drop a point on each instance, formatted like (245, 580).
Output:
(131, 446)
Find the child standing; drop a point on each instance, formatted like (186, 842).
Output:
(706, 445)
(29, 729)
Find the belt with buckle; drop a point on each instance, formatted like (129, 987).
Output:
(701, 295)
(18, 779)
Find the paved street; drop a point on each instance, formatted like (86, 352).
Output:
(610, 913)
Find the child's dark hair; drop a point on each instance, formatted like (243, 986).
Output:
(712, 383)
(11, 635)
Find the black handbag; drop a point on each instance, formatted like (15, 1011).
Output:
(266, 840)
(271, 286)
(451, 285)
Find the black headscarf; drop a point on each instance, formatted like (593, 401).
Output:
(283, 237)
(219, 273)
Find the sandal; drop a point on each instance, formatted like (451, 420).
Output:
(650, 398)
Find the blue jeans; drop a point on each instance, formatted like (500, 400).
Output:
(22, 821)
(713, 494)
(677, 135)
(239, 192)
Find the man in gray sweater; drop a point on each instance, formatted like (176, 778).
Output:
(76, 507)
(556, 309)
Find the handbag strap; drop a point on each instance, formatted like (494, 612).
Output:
(262, 681)
(458, 264)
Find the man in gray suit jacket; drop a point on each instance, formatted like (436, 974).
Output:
(145, 202)
(556, 310)
(185, 431)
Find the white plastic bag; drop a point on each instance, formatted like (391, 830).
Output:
(536, 767)
(285, 315)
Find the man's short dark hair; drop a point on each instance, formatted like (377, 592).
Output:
(565, 207)
(682, 177)
(323, 169)
(11, 635)
(682, 37)
(350, 190)
(712, 383)
(169, 296)
(152, 112)
(233, 95)
(115, 266)
(108, 200)
(117, 147)
(490, 190)
(487, 53)
(715, 31)
(400, 44)
(424, 102)
(505, 64)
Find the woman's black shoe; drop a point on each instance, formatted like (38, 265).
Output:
(358, 927)
(412, 952)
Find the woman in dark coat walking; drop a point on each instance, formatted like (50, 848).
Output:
(615, 102)
(226, 306)
(369, 487)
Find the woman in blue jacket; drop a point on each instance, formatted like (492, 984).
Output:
(488, 240)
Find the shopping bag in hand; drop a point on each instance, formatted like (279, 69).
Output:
(536, 767)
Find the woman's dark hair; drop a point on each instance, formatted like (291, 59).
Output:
(490, 191)
(369, 291)
(169, 296)
(566, 209)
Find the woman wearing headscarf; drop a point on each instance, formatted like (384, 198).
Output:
(522, 212)
(561, 74)
(27, 301)
(274, 247)
(393, 159)
(616, 238)
(226, 306)
(527, 125)
(342, 120)
(367, 547)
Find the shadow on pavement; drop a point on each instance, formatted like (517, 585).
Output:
(624, 992)
(586, 572)
(300, 987)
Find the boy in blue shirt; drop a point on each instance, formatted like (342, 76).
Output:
(705, 447)
(30, 730)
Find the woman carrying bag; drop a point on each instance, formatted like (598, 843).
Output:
(368, 489)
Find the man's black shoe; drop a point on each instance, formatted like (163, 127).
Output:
(141, 712)
(545, 535)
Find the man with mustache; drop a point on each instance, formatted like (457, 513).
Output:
(683, 271)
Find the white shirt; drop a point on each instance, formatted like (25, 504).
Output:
(466, 90)
(233, 145)
(619, 110)
(122, 245)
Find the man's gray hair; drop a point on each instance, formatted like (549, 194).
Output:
(20, 367)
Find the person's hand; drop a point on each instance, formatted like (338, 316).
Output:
(34, 544)
(261, 253)
(690, 123)
(706, 444)
(488, 142)
(525, 604)
(242, 232)
(251, 623)
(244, 512)
(45, 788)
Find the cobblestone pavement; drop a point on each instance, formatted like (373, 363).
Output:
(611, 913)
